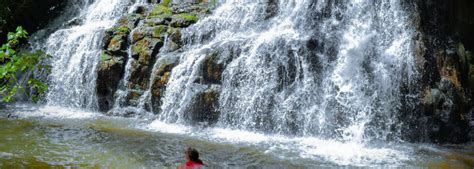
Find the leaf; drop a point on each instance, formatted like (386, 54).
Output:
(10, 36)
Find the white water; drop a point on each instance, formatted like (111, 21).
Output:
(346, 86)
(76, 53)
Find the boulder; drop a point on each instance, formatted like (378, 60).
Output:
(117, 44)
(161, 77)
(183, 20)
(204, 107)
(110, 72)
(139, 76)
(131, 21)
(212, 70)
(146, 49)
(115, 41)
(445, 106)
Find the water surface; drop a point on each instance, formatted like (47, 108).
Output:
(42, 137)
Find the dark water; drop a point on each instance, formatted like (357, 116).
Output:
(53, 137)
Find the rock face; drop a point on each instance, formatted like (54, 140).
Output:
(144, 32)
(205, 106)
(112, 65)
(446, 66)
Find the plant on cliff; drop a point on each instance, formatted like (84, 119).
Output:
(14, 64)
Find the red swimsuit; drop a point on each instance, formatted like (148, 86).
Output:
(194, 165)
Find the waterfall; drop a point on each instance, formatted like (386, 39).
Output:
(331, 69)
(76, 52)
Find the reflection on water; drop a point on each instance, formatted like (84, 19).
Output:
(52, 136)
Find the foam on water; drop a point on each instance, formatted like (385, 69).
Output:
(168, 128)
(327, 151)
(57, 112)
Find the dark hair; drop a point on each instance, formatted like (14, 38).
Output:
(193, 155)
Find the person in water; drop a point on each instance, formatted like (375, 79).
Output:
(192, 160)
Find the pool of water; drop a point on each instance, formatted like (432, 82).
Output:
(36, 137)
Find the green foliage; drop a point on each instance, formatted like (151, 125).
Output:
(14, 63)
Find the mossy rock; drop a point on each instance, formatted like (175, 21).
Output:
(184, 20)
(134, 96)
(105, 57)
(174, 34)
(139, 76)
(158, 20)
(130, 21)
(188, 17)
(146, 48)
(158, 31)
(137, 36)
(161, 11)
(120, 30)
(117, 43)
(162, 74)
(141, 49)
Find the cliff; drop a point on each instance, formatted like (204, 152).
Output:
(447, 68)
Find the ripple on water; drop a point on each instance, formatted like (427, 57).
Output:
(59, 136)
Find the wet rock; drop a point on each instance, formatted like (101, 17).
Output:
(110, 72)
(212, 70)
(161, 78)
(445, 106)
(161, 10)
(117, 44)
(133, 96)
(183, 20)
(157, 32)
(174, 34)
(130, 21)
(140, 10)
(205, 106)
(146, 49)
(116, 41)
(154, 21)
(139, 76)
(470, 118)
(190, 7)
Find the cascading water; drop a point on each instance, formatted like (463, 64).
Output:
(76, 52)
(308, 68)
